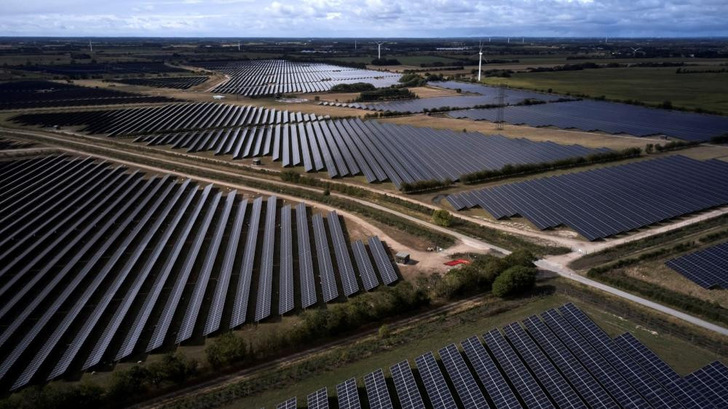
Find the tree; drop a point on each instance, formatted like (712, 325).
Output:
(442, 217)
(514, 281)
(226, 349)
(520, 257)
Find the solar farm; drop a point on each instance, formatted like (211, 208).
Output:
(42, 94)
(118, 263)
(206, 223)
(707, 268)
(558, 359)
(608, 201)
(260, 78)
(378, 151)
(607, 117)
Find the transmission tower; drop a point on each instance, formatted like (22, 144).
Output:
(500, 113)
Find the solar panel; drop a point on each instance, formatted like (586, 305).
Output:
(343, 261)
(180, 282)
(285, 295)
(406, 387)
(708, 268)
(214, 316)
(377, 392)
(195, 302)
(289, 404)
(633, 373)
(465, 385)
(495, 384)
(588, 387)
(318, 399)
(140, 320)
(522, 380)
(554, 384)
(364, 265)
(240, 306)
(265, 281)
(666, 376)
(381, 259)
(708, 385)
(326, 267)
(603, 372)
(435, 385)
(348, 395)
(305, 260)
(603, 202)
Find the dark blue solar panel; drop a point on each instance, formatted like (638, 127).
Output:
(708, 268)
(607, 201)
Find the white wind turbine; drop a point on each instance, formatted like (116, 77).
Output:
(480, 60)
(379, 51)
(634, 51)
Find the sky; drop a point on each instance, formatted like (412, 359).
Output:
(364, 18)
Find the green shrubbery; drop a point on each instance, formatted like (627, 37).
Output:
(442, 217)
(386, 94)
(355, 87)
(422, 185)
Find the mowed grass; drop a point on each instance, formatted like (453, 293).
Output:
(707, 91)
(441, 331)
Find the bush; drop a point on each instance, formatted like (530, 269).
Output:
(386, 94)
(442, 217)
(226, 349)
(514, 281)
(422, 185)
(355, 87)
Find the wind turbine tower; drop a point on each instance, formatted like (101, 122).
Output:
(238, 45)
(480, 61)
(90, 46)
(379, 51)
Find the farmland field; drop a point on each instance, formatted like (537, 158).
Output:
(650, 85)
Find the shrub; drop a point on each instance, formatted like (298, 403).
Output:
(514, 281)
(442, 217)
(225, 350)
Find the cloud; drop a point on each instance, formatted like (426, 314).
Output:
(364, 18)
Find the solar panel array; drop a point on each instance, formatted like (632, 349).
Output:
(608, 201)
(165, 82)
(608, 117)
(257, 78)
(487, 95)
(379, 151)
(558, 359)
(170, 123)
(707, 268)
(43, 94)
(99, 263)
(348, 395)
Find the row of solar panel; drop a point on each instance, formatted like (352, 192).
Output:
(166, 118)
(41, 94)
(126, 257)
(607, 117)
(165, 82)
(269, 77)
(608, 201)
(561, 359)
(708, 268)
(379, 151)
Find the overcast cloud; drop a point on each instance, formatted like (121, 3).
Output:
(363, 18)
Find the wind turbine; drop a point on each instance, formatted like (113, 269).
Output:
(480, 60)
(90, 46)
(634, 51)
(379, 51)
(238, 45)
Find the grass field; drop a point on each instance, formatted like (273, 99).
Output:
(650, 85)
(441, 331)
